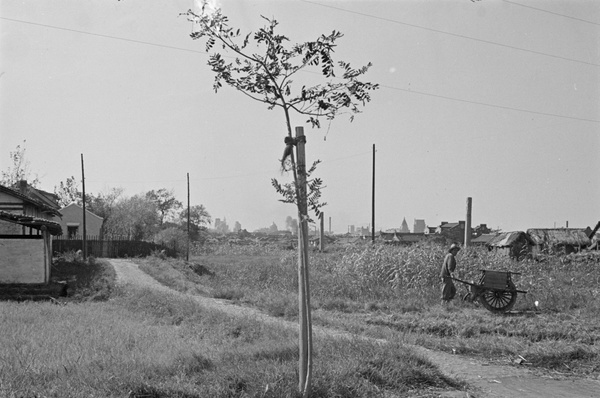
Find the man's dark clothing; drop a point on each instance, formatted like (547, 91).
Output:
(448, 288)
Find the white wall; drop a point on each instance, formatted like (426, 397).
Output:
(22, 261)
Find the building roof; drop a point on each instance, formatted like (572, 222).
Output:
(398, 237)
(507, 239)
(450, 225)
(44, 200)
(87, 212)
(34, 222)
(559, 236)
(484, 238)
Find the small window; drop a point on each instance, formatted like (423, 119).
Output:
(72, 232)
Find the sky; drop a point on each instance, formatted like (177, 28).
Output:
(494, 100)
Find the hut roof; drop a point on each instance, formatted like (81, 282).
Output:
(559, 236)
(506, 239)
(484, 238)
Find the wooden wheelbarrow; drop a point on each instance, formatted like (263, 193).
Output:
(495, 290)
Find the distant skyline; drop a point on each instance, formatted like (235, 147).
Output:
(494, 100)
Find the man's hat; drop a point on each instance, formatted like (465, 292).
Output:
(454, 246)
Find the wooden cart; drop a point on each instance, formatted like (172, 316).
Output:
(495, 290)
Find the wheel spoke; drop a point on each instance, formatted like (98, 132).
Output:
(498, 301)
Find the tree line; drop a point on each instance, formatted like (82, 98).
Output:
(155, 215)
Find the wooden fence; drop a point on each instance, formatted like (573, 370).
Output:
(109, 248)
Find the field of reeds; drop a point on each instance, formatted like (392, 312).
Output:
(394, 293)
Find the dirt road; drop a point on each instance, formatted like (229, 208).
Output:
(488, 380)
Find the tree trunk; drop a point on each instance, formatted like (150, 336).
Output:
(305, 332)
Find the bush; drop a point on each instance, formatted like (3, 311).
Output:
(86, 280)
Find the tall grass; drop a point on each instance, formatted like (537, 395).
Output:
(393, 292)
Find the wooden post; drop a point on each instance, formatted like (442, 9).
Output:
(373, 201)
(468, 223)
(305, 332)
(322, 234)
(187, 256)
(83, 201)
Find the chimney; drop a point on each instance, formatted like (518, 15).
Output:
(23, 187)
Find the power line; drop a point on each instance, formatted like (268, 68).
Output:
(491, 105)
(452, 34)
(265, 172)
(104, 36)
(389, 87)
(550, 12)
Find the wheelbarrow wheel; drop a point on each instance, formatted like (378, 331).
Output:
(498, 300)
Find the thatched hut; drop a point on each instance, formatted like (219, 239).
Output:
(558, 240)
(483, 239)
(516, 244)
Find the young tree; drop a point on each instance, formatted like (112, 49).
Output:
(103, 205)
(165, 202)
(135, 218)
(291, 224)
(264, 68)
(68, 192)
(199, 220)
(20, 169)
(172, 237)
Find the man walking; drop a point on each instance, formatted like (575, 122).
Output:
(448, 267)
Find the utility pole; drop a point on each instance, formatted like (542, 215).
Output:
(468, 223)
(83, 201)
(187, 256)
(322, 233)
(373, 201)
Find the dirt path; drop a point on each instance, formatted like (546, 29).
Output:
(488, 380)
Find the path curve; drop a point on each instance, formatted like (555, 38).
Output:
(490, 380)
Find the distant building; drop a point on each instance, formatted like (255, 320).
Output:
(419, 226)
(454, 232)
(481, 229)
(404, 227)
(394, 236)
(221, 226)
(72, 222)
(363, 231)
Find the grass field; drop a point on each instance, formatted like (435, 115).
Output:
(108, 342)
(393, 293)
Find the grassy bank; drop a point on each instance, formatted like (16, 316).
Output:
(146, 344)
(393, 292)
(89, 280)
